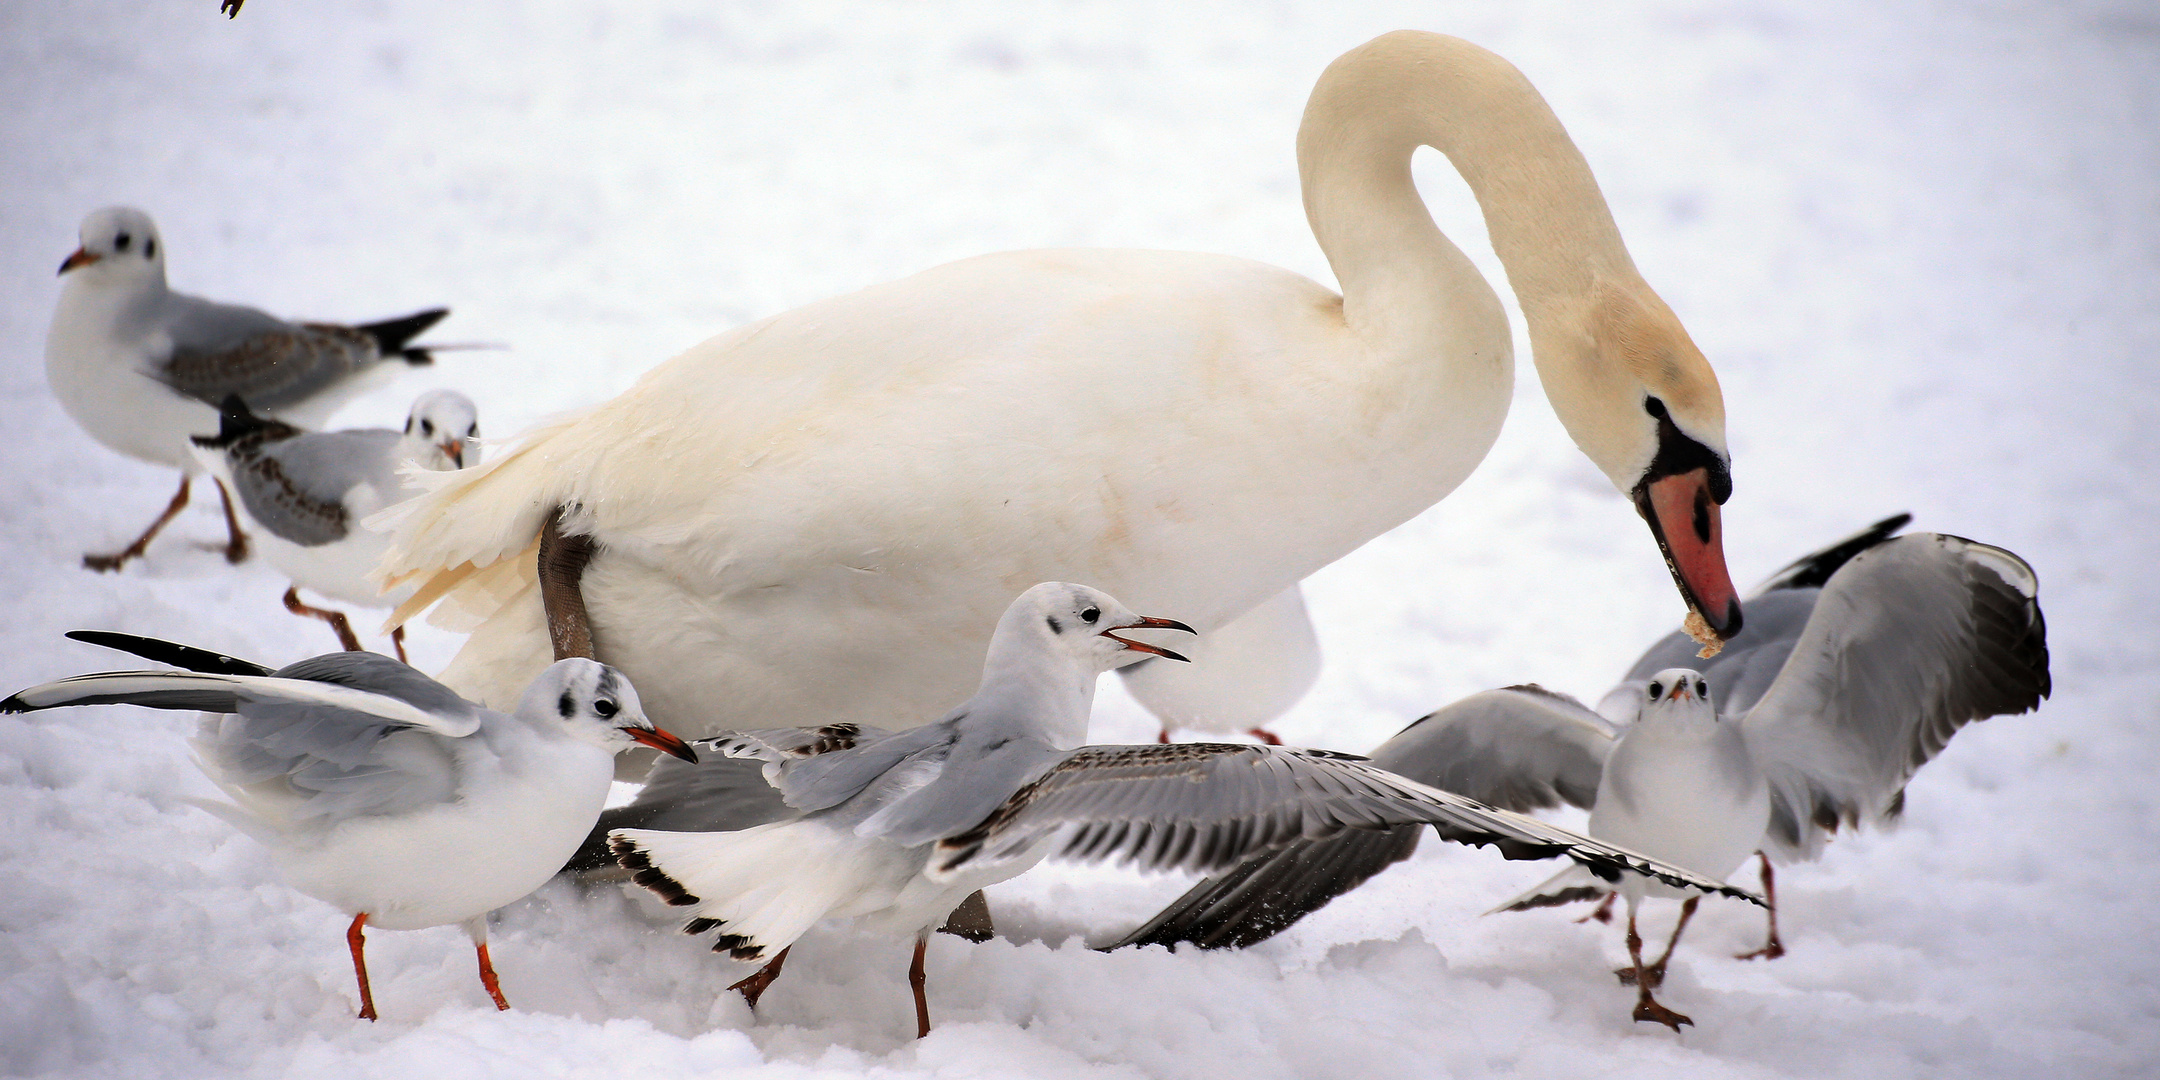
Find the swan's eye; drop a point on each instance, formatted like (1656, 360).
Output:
(1090, 615)
(120, 242)
(604, 707)
(1657, 690)
(1654, 407)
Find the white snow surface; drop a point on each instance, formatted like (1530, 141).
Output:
(1917, 239)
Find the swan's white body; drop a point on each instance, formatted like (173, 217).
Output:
(815, 517)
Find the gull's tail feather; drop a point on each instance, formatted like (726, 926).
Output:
(727, 880)
(393, 337)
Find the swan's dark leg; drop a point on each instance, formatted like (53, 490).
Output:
(562, 565)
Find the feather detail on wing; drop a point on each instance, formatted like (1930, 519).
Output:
(1522, 748)
(1205, 806)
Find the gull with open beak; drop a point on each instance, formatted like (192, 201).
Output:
(378, 790)
(896, 830)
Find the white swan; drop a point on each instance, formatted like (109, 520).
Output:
(815, 517)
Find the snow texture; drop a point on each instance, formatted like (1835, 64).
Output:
(1918, 240)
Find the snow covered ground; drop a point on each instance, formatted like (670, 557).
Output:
(1918, 240)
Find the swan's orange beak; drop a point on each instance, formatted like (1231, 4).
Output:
(1684, 518)
(663, 742)
(81, 258)
(1145, 622)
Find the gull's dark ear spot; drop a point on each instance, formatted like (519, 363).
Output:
(120, 242)
(149, 248)
(566, 705)
(1055, 626)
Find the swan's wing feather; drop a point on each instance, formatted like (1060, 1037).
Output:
(1911, 641)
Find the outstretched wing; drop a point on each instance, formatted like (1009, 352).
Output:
(1911, 641)
(1205, 806)
(169, 652)
(1522, 748)
(327, 738)
(1776, 613)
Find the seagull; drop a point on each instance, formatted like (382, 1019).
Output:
(305, 494)
(1241, 676)
(142, 368)
(822, 513)
(895, 831)
(379, 791)
(1858, 664)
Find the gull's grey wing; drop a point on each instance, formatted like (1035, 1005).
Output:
(219, 350)
(322, 740)
(1911, 641)
(357, 685)
(1264, 895)
(1816, 568)
(169, 652)
(1205, 806)
(1740, 674)
(1522, 748)
(725, 790)
(826, 780)
(1751, 659)
(296, 487)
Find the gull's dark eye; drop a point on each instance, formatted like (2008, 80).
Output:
(120, 242)
(427, 427)
(473, 432)
(1702, 689)
(1657, 690)
(1090, 615)
(604, 707)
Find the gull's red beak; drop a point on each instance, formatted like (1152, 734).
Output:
(663, 742)
(454, 449)
(1145, 622)
(1684, 518)
(79, 259)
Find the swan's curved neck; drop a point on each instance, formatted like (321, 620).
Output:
(1548, 222)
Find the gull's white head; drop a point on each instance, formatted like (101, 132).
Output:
(1078, 622)
(1677, 694)
(596, 704)
(120, 246)
(444, 428)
